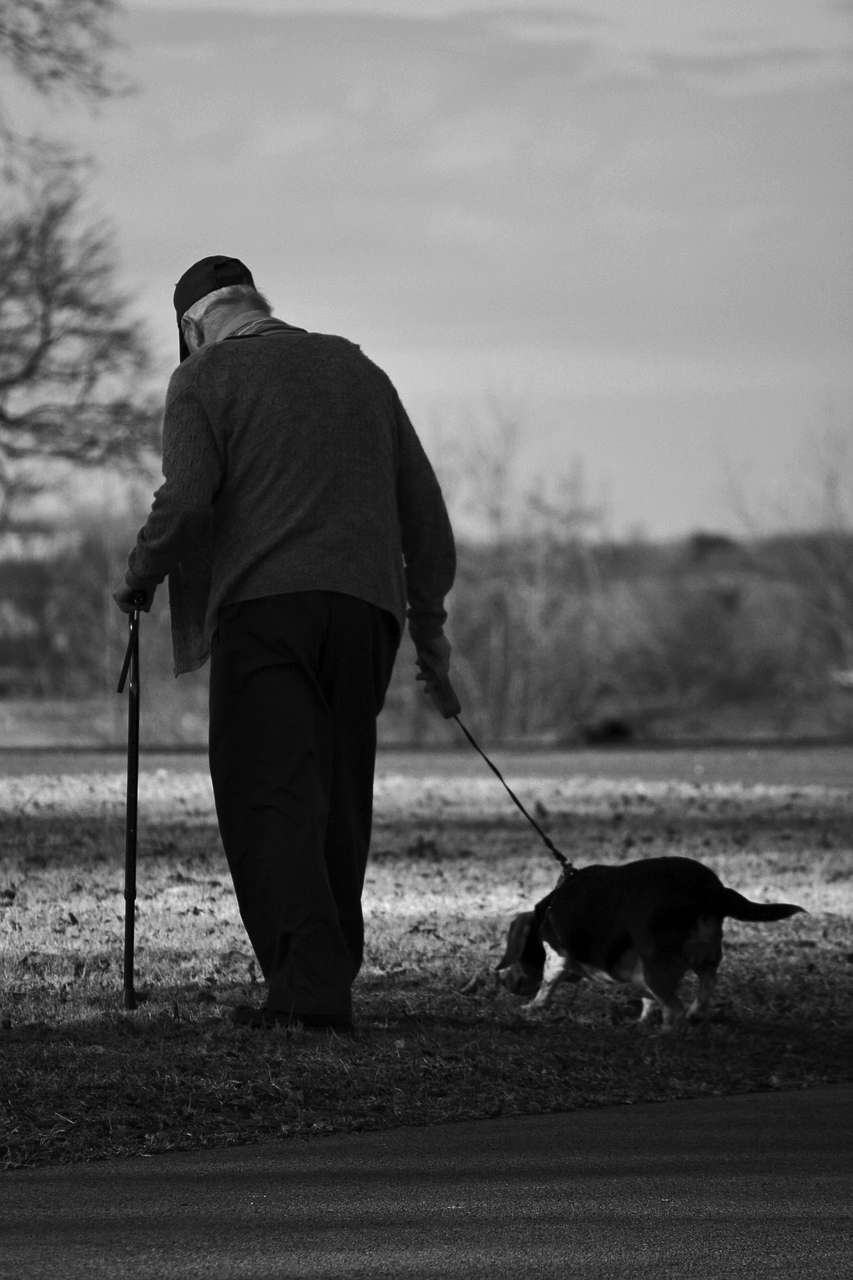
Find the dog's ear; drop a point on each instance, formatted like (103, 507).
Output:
(522, 942)
(516, 938)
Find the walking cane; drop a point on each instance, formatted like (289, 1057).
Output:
(130, 667)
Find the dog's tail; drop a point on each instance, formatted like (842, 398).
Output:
(740, 908)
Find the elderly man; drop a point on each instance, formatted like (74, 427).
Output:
(300, 524)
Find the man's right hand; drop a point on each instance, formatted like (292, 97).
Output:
(130, 598)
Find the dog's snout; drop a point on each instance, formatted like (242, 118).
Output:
(520, 979)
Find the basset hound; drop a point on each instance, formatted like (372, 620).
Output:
(643, 923)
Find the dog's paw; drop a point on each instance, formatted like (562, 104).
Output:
(676, 1028)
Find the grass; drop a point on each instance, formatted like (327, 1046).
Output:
(81, 1079)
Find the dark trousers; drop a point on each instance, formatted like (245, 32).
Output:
(296, 684)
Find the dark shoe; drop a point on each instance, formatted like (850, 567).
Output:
(246, 1015)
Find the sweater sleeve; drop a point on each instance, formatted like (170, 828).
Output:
(180, 520)
(429, 552)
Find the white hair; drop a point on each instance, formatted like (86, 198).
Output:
(229, 296)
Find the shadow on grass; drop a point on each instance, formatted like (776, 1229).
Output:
(177, 1074)
(84, 1079)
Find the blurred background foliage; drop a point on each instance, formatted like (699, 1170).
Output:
(557, 639)
(561, 633)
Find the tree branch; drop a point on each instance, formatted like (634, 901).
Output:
(60, 46)
(71, 359)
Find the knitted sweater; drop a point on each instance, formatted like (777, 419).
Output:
(290, 464)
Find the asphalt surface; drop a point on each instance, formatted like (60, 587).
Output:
(758, 1185)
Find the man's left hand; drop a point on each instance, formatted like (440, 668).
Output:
(442, 693)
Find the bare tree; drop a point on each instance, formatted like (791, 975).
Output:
(59, 49)
(60, 46)
(71, 362)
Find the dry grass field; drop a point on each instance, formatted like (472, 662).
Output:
(80, 1078)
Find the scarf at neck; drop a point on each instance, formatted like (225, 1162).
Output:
(252, 323)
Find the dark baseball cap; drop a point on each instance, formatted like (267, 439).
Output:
(204, 277)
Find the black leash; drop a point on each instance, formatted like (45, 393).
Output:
(549, 844)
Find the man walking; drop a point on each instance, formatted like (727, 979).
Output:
(300, 523)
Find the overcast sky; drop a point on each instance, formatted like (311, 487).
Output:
(627, 223)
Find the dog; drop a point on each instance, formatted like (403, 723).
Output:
(643, 923)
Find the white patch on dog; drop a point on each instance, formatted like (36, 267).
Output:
(672, 1012)
(699, 1007)
(649, 1005)
(555, 970)
(597, 975)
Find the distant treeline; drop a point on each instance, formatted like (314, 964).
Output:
(554, 640)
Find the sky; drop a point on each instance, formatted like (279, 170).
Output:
(624, 227)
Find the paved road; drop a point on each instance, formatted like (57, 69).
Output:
(755, 1186)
